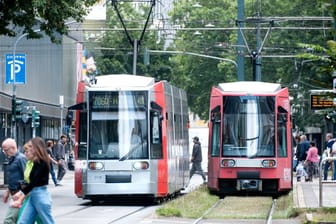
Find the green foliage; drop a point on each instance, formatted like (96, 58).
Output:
(199, 74)
(168, 212)
(196, 75)
(118, 53)
(48, 16)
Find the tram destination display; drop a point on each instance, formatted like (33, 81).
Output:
(320, 101)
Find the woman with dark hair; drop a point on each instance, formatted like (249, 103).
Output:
(39, 201)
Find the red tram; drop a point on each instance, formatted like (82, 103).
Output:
(132, 138)
(249, 139)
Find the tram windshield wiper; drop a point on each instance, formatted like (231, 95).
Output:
(130, 152)
(250, 139)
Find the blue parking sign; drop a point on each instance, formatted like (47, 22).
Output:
(20, 69)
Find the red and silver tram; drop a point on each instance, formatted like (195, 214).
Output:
(132, 138)
(249, 139)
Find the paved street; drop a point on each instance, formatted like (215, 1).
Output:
(67, 208)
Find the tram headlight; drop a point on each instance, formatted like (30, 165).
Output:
(228, 163)
(268, 163)
(96, 165)
(141, 165)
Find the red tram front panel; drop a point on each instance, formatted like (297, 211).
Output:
(250, 139)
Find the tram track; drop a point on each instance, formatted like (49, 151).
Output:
(270, 213)
(128, 214)
(269, 217)
(208, 211)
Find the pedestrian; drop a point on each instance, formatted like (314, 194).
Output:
(296, 151)
(196, 159)
(60, 157)
(333, 154)
(15, 173)
(50, 145)
(26, 180)
(39, 201)
(330, 141)
(303, 148)
(312, 161)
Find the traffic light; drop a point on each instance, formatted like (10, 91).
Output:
(35, 118)
(16, 108)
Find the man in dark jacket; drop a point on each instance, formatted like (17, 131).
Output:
(330, 141)
(303, 148)
(196, 159)
(60, 157)
(15, 173)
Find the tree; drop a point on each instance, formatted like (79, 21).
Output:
(196, 75)
(48, 16)
(117, 54)
(199, 74)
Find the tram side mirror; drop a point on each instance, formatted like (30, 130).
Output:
(156, 107)
(213, 117)
(282, 118)
(69, 118)
(282, 115)
(215, 114)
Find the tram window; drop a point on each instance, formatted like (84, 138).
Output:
(282, 137)
(215, 147)
(215, 141)
(248, 126)
(156, 135)
(82, 130)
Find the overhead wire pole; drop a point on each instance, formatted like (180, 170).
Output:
(257, 53)
(240, 50)
(135, 43)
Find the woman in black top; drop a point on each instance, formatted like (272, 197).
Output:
(39, 202)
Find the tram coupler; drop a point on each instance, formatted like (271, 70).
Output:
(249, 185)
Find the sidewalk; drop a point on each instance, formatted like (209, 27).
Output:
(307, 194)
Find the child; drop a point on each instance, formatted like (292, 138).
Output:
(300, 171)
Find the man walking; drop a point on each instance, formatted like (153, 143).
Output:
(330, 141)
(60, 157)
(15, 173)
(196, 159)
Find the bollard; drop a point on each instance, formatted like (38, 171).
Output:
(320, 179)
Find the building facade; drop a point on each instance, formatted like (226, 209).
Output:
(51, 75)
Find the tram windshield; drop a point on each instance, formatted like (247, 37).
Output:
(249, 126)
(118, 125)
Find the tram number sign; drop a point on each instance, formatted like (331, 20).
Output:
(320, 101)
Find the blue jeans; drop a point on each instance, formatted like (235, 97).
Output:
(325, 171)
(39, 203)
(53, 175)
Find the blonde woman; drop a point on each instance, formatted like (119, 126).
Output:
(39, 201)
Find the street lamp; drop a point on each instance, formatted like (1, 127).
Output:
(13, 77)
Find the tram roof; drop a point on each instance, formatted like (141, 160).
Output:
(250, 86)
(123, 81)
